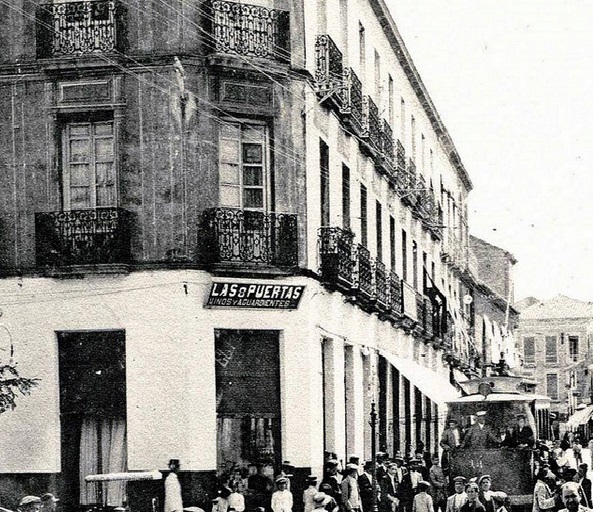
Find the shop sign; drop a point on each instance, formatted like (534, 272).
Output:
(254, 295)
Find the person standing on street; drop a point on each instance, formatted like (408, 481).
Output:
(350, 493)
(365, 487)
(437, 484)
(282, 500)
(309, 493)
(173, 500)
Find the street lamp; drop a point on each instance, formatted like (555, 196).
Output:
(373, 423)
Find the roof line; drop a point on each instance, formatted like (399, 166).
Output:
(394, 36)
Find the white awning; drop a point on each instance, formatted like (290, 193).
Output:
(429, 383)
(580, 417)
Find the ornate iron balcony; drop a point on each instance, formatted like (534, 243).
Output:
(329, 72)
(381, 285)
(250, 30)
(371, 124)
(395, 295)
(336, 256)
(387, 145)
(236, 236)
(364, 274)
(80, 28)
(352, 101)
(93, 236)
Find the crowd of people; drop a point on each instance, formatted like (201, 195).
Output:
(45, 503)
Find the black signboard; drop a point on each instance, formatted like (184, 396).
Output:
(254, 295)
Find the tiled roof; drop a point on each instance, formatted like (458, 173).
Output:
(559, 307)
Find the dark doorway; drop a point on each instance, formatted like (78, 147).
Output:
(248, 400)
(93, 416)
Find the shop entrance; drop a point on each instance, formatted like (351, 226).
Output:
(248, 401)
(93, 416)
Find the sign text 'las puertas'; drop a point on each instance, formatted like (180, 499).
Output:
(255, 296)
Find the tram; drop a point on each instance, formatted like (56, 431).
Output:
(511, 469)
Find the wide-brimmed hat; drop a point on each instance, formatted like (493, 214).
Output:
(460, 479)
(319, 499)
(29, 499)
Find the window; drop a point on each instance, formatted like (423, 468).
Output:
(90, 178)
(551, 350)
(324, 182)
(377, 78)
(363, 216)
(552, 385)
(415, 265)
(424, 272)
(573, 348)
(529, 350)
(402, 119)
(404, 256)
(392, 242)
(413, 136)
(362, 50)
(390, 106)
(345, 197)
(243, 166)
(379, 230)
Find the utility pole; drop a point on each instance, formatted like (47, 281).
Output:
(373, 423)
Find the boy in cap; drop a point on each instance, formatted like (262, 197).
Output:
(282, 498)
(457, 499)
(49, 502)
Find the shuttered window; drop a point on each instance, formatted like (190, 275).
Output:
(552, 385)
(529, 350)
(243, 166)
(551, 350)
(90, 178)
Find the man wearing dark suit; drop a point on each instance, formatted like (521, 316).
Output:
(365, 486)
(582, 479)
(523, 434)
(480, 435)
(389, 490)
(450, 440)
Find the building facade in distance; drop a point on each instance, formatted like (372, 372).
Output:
(555, 338)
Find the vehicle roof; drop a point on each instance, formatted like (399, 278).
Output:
(499, 397)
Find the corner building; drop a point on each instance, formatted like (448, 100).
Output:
(227, 230)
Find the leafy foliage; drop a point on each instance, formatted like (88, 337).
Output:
(12, 384)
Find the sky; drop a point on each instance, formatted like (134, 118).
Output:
(513, 83)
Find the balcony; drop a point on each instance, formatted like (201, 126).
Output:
(84, 237)
(236, 237)
(250, 30)
(329, 71)
(75, 29)
(335, 255)
(388, 160)
(363, 283)
(381, 286)
(352, 102)
(395, 296)
(371, 126)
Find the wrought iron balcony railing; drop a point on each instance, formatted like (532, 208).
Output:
(336, 256)
(381, 285)
(371, 129)
(352, 101)
(250, 30)
(395, 295)
(400, 157)
(387, 145)
(80, 28)
(236, 236)
(92, 236)
(329, 71)
(363, 282)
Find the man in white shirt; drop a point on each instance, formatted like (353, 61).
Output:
(456, 501)
(282, 498)
(173, 500)
(350, 493)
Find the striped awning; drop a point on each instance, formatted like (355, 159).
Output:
(580, 417)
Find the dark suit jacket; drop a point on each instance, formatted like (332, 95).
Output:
(448, 439)
(365, 486)
(388, 487)
(477, 437)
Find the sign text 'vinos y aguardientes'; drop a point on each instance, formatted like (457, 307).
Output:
(253, 295)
